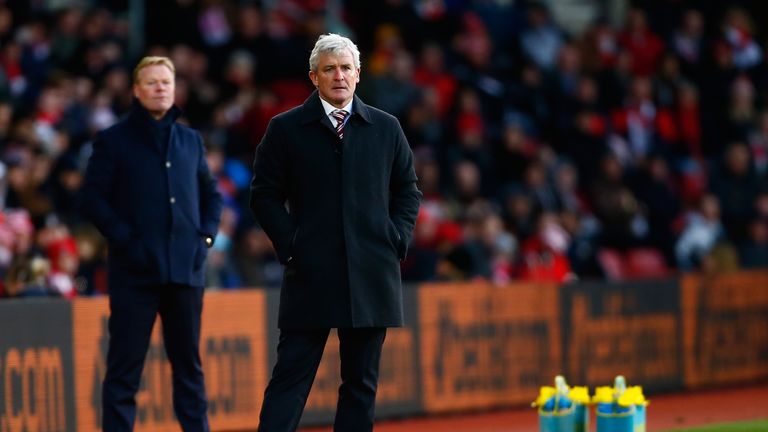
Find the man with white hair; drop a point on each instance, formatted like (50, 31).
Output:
(346, 172)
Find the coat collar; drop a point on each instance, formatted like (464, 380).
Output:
(139, 113)
(312, 109)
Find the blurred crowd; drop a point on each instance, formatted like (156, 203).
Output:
(627, 140)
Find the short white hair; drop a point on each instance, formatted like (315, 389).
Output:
(334, 44)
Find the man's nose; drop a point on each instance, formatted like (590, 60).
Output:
(339, 75)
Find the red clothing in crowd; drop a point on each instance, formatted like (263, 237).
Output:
(541, 263)
(443, 84)
(646, 49)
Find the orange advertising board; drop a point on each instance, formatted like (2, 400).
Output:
(36, 380)
(233, 348)
(467, 346)
(629, 329)
(485, 346)
(725, 328)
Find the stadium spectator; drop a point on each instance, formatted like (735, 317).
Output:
(758, 143)
(541, 41)
(431, 73)
(423, 254)
(519, 213)
(753, 253)
(738, 34)
(644, 46)
(703, 230)
(543, 256)
(514, 153)
(616, 207)
(540, 188)
(62, 254)
(657, 192)
(737, 189)
(393, 90)
(689, 43)
(566, 188)
(492, 83)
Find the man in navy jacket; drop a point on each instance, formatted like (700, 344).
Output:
(150, 193)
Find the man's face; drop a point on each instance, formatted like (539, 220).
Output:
(336, 78)
(155, 88)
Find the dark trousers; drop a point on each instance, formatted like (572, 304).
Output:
(298, 356)
(132, 314)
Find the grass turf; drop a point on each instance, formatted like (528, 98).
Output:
(742, 426)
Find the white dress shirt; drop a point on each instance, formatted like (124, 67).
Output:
(329, 109)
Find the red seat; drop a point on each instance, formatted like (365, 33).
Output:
(643, 263)
(612, 263)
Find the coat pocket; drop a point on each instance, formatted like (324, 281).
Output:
(292, 246)
(200, 254)
(290, 266)
(394, 237)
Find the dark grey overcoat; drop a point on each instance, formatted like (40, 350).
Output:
(343, 211)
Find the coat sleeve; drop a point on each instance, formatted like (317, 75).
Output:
(404, 194)
(98, 186)
(210, 198)
(269, 191)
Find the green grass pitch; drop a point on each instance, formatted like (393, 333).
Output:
(743, 426)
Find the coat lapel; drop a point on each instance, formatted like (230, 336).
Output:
(312, 111)
(361, 109)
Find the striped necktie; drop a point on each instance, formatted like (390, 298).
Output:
(340, 116)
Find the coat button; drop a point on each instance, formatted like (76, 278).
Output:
(167, 164)
(173, 200)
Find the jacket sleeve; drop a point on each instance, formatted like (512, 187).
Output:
(98, 186)
(210, 198)
(404, 194)
(269, 191)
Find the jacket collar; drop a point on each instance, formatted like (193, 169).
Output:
(139, 113)
(312, 109)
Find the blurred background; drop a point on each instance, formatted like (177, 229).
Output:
(554, 140)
